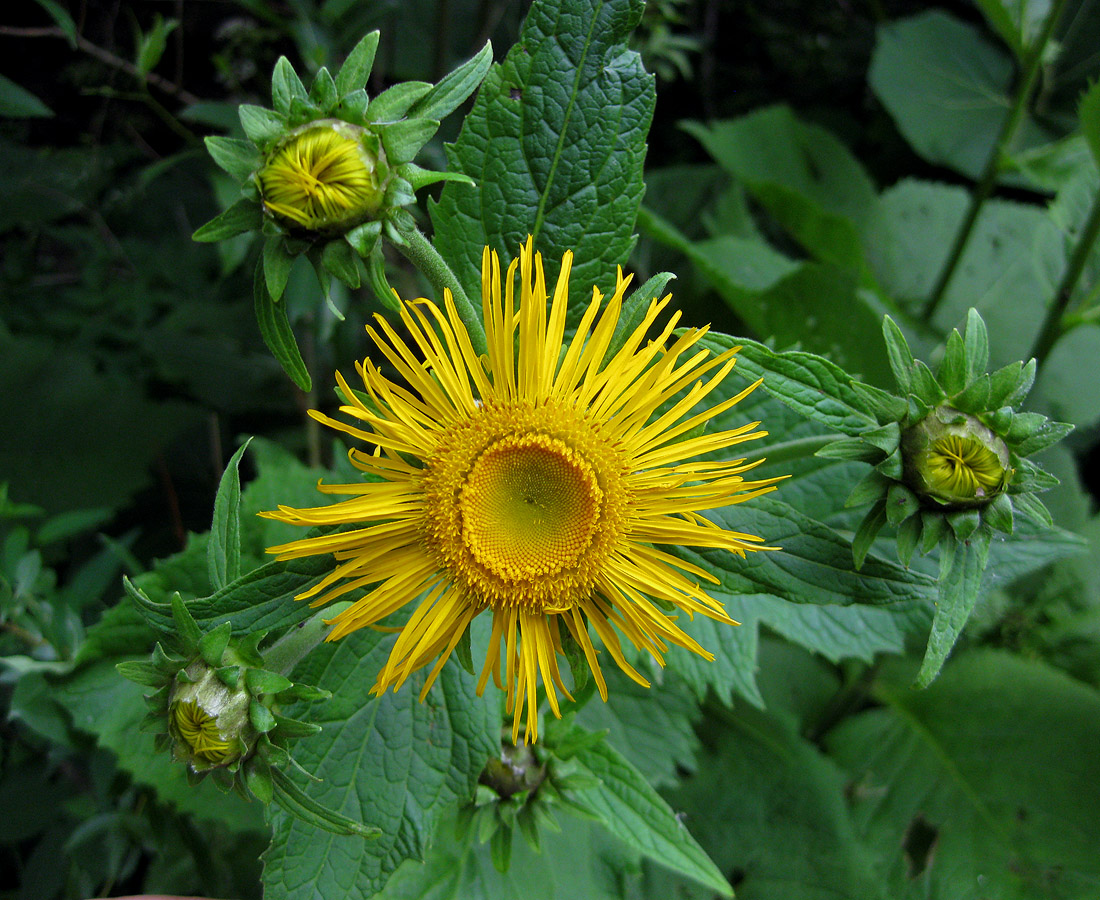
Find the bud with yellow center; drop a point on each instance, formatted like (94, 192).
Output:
(209, 721)
(327, 178)
(955, 460)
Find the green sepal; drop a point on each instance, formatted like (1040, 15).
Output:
(242, 217)
(403, 140)
(925, 386)
(909, 534)
(355, 71)
(276, 332)
(916, 409)
(240, 159)
(974, 399)
(1003, 383)
(277, 263)
(212, 644)
(1001, 419)
(976, 344)
(884, 405)
(998, 514)
(887, 438)
(194, 779)
(898, 354)
(500, 848)
(363, 238)
(165, 662)
(260, 681)
(189, 632)
(340, 260)
(185, 677)
(376, 277)
(851, 449)
(230, 676)
(294, 728)
(162, 740)
(294, 801)
(529, 827)
(304, 692)
(964, 522)
(1023, 426)
(394, 102)
(901, 503)
(262, 719)
(463, 820)
(247, 649)
(262, 125)
(353, 108)
(323, 91)
(1029, 478)
(1024, 382)
(952, 370)
(399, 192)
(223, 780)
(893, 467)
(158, 700)
(1041, 437)
(1031, 506)
(419, 178)
(257, 777)
(223, 550)
(141, 671)
(454, 87)
(932, 529)
(867, 532)
(872, 487)
(286, 87)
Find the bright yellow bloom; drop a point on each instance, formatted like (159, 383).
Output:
(537, 482)
(321, 178)
(963, 468)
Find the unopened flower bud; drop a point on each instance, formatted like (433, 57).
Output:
(326, 177)
(955, 460)
(208, 721)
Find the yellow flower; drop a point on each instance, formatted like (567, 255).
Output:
(199, 731)
(322, 178)
(964, 468)
(537, 482)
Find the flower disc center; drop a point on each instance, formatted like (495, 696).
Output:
(529, 507)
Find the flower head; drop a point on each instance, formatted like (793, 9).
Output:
(536, 482)
(955, 460)
(323, 178)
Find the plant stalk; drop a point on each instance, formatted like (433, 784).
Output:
(1053, 323)
(418, 250)
(988, 178)
(293, 646)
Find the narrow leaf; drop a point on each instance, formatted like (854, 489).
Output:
(455, 87)
(263, 126)
(356, 69)
(223, 551)
(286, 87)
(239, 158)
(277, 334)
(242, 217)
(296, 802)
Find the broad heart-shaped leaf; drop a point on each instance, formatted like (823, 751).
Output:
(993, 766)
(635, 813)
(555, 143)
(388, 761)
(1009, 271)
(223, 551)
(767, 805)
(947, 89)
(801, 174)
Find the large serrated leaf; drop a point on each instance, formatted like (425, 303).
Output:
(387, 761)
(635, 813)
(555, 143)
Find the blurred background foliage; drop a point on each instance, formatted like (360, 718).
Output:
(808, 166)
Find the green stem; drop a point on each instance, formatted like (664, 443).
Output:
(418, 250)
(293, 646)
(798, 448)
(1053, 325)
(988, 178)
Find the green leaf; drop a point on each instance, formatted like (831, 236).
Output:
(867, 532)
(962, 564)
(19, 103)
(636, 814)
(947, 89)
(61, 18)
(958, 761)
(555, 143)
(453, 89)
(387, 761)
(223, 552)
(1063, 390)
(277, 263)
(153, 44)
(952, 371)
(242, 217)
(276, 331)
(1017, 23)
(263, 126)
(789, 796)
(394, 102)
(899, 354)
(286, 87)
(976, 339)
(296, 802)
(323, 91)
(801, 174)
(418, 177)
(1089, 114)
(356, 69)
(339, 259)
(634, 309)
